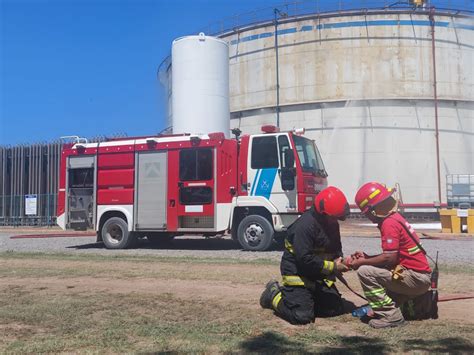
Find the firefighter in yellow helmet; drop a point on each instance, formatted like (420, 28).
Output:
(401, 271)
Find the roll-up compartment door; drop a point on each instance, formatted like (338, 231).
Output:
(151, 190)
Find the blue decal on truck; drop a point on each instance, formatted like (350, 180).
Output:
(265, 182)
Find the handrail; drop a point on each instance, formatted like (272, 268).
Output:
(321, 9)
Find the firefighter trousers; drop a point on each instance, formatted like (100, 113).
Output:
(385, 294)
(300, 305)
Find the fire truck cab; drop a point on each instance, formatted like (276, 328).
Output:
(252, 187)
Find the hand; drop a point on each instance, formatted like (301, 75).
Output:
(356, 263)
(359, 255)
(339, 265)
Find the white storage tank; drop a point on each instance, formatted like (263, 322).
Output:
(200, 82)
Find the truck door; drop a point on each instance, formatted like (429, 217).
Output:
(151, 190)
(81, 192)
(196, 189)
(267, 158)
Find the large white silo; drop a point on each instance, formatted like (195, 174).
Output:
(200, 82)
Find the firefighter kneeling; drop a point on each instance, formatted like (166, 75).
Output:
(310, 263)
(402, 270)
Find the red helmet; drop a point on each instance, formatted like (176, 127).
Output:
(371, 194)
(331, 201)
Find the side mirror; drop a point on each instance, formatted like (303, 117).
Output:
(289, 158)
(287, 179)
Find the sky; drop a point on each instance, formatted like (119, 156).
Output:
(89, 67)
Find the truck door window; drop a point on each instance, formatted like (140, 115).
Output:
(81, 178)
(264, 153)
(309, 157)
(195, 164)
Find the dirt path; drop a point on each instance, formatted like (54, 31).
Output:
(220, 284)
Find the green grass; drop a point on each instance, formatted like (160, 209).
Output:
(136, 323)
(134, 258)
(92, 319)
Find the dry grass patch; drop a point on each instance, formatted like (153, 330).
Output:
(59, 303)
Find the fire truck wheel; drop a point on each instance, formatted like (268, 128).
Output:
(115, 234)
(255, 233)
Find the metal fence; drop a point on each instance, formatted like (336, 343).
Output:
(15, 210)
(29, 170)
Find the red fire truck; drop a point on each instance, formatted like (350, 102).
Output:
(252, 186)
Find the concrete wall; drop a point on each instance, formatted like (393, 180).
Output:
(362, 86)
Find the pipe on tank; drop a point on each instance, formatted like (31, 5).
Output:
(435, 93)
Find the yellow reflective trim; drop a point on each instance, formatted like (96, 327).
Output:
(288, 246)
(331, 266)
(276, 300)
(363, 203)
(289, 280)
(385, 302)
(328, 282)
(373, 194)
(374, 292)
(328, 267)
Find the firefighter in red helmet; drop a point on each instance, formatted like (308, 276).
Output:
(402, 270)
(310, 262)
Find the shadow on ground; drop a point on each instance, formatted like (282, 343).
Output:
(274, 343)
(446, 345)
(181, 244)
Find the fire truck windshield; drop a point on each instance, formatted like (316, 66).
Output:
(309, 156)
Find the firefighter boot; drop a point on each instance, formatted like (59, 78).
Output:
(271, 290)
(390, 321)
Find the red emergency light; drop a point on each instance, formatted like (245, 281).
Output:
(270, 129)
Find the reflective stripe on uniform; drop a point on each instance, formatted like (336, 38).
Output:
(329, 283)
(289, 247)
(276, 300)
(292, 280)
(374, 292)
(371, 196)
(385, 302)
(328, 267)
(295, 280)
(414, 250)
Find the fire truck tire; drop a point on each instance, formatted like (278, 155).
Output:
(115, 234)
(255, 233)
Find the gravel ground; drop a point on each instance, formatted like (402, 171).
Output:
(451, 251)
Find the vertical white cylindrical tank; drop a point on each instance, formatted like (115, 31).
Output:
(200, 82)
